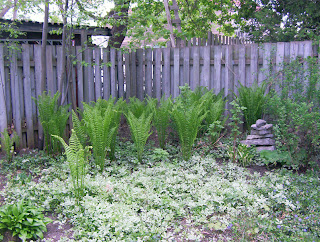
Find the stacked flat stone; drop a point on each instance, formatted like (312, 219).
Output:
(261, 136)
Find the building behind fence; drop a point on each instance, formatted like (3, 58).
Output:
(152, 72)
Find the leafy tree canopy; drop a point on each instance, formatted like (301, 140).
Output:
(142, 20)
(279, 20)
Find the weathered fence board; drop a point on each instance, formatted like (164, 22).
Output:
(27, 94)
(100, 73)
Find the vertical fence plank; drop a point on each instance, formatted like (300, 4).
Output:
(114, 90)
(49, 57)
(27, 94)
(266, 61)
(176, 72)
(3, 109)
(127, 76)
(140, 82)
(186, 66)
(97, 73)
(120, 74)
(307, 52)
(206, 66)
(166, 72)
(60, 73)
(279, 65)
(229, 72)
(196, 67)
(106, 73)
(80, 91)
(15, 94)
(90, 80)
(133, 73)
(217, 68)
(254, 64)
(157, 74)
(37, 75)
(294, 49)
(242, 65)
(149, 70)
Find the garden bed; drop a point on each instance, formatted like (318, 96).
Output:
(168, 199)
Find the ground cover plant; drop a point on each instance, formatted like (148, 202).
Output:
(172, 199)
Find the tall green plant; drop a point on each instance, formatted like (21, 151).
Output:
(118, 107)
(7, 143)
(188, 121)
(77, 157)
(236, 121)
(253, 99)
(53, 119)
(161, 118)
(98, 123)
(140, 131)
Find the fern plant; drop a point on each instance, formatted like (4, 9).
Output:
(137, 107)
(7, 143)
(98, 123)
(79, 128)
(53, 119)
(161, 118)
(253, 99)
(77, 157)
(140, 131)
(188, 121)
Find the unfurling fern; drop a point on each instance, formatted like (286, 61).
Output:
(53, 119)
(7, 144)
(188, 121)
(253, 99)
(98, 123)
(77, 157)
(161, 117)
(140, 131)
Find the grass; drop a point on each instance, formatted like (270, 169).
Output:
(172, 199)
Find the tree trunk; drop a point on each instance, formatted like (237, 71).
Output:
(120, 15)
(6, 9)
(62, 77)
(43, 62)
(43, 47)
(3, 109)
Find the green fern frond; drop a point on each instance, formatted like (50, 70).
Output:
(53, 118)
(161, 117)
(7, 143)
(188, 122)
(140, 131)
(253, 98)
(77, 161)
(98, 122)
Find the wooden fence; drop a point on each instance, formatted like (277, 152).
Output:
(144, 72)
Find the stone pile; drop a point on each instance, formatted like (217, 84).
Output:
(261, 136)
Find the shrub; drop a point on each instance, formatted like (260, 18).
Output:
(7, 144)
(53, 119)
(23, 219)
